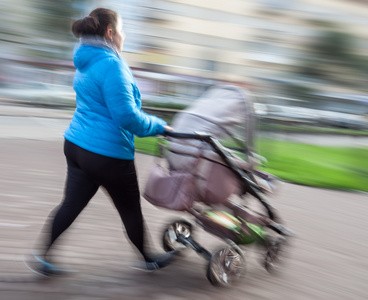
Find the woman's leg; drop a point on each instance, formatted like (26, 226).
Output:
(122, 185)
(79, 189)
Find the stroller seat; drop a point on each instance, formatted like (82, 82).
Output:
(226, 113)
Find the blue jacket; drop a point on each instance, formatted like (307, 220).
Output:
(108, 112)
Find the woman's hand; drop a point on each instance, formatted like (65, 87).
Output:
(168, 128)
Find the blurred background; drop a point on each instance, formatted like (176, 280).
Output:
(306, 62)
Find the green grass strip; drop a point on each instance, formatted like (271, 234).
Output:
(319, 166)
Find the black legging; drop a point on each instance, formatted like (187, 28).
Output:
(88, 171)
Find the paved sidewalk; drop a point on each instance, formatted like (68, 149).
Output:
(7, 109)
(327, 261)
(36, 123)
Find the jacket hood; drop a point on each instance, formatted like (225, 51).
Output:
(83, 56)
(90, 49)
(86, 55)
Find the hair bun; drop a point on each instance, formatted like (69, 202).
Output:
(89, 25)
(96, 23)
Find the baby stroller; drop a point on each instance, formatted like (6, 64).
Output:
(210, 171)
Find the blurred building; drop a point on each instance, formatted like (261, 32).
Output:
(251, 42)
(238, 39)
(179, 47)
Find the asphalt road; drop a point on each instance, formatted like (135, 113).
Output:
(327, 260)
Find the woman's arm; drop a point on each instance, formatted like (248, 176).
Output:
(120, 96)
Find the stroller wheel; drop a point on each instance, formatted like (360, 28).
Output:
(225, 267)
(179, 228)
(275, 254)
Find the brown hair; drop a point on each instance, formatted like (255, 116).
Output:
(95, 23)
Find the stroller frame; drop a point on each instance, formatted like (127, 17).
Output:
(226, 265)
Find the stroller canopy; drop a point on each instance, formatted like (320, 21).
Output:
(224, 111)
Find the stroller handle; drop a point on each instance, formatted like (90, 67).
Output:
(183, 135)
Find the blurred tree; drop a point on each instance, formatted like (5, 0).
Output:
(333, 45)
(55, 17)
(332, 58)
(53, 26)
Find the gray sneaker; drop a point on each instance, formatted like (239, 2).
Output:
(156, 262)
(40, 266)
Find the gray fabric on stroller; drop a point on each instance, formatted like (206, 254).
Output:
(225, 112)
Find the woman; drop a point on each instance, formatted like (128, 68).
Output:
(99, 143)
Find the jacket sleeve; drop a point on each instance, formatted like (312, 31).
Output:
(120, 93)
